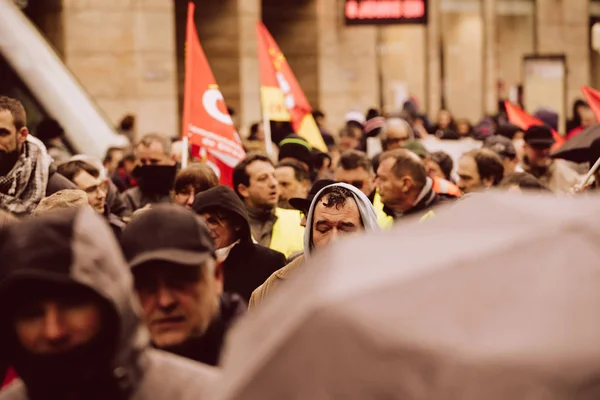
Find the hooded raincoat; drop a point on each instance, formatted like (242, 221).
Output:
(368, 216)
(75, 248)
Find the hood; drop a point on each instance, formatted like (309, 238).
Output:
(83, 251)
(223, 198)
(367, 214)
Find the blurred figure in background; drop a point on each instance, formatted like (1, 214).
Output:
(127, 128)
(293, 180)
(395, 133)
(319, 117)
(587, 117)
(112, 159)
(52, 135)
(523, 182)
(444, 123)
(193, 180)
(123, 176)
(578, 106)
(505, 149)
(440, 165)
(479, 170)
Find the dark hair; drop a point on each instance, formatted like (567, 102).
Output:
(200, 176)
(444, 161)
(523, 180)
(576, 117)
(70, 169)
(337, 196)
(240, 173)
(150, 138)
(108, 157)
(317, 114)
(15, 108)
(127, 123)
(300, 171)
(406, 163)
(353, 159)
(48, 129)
(253, 131)
(489, 164)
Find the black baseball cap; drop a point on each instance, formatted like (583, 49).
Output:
(167, 232)
(501, 145)
(304, 204)
(539, 137)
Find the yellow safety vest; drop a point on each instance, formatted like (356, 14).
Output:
(287, 236)
(385, 221)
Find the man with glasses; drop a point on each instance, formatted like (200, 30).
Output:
(87, 178)
(395, 133)
(355, 168)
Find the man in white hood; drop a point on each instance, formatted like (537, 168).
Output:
(336, 211)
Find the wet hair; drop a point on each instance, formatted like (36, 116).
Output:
(240, 173)
(70, 169)
(150, 138)
(524, 181)
(200, 176)
(406, 163)
(354, 159)
(300, 171)
(337, 196)
(489, 164)
(15, 108)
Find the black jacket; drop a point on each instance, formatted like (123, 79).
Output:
(249, 264)
(135, 199)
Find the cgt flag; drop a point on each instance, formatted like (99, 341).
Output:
(281, 95)
(523, 120)
(206, 122)
(593, 98)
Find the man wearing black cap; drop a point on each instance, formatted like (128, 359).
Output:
(179, 282)
(70, 324)
(557, 175)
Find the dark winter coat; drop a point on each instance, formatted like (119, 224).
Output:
(248, 264)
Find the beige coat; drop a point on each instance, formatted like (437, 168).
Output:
(274, 281)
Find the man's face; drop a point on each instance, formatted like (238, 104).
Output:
(394, 191)
(468, 175)
(185, 197)
(289, 187)
(537, 157)
(587, 117)
(396, 137)
(358, 177)
(178, 301)
(95, 188)
(510, 164)
(116, 157)
(56, 325)
(11, 140)
(262, 192)
(349, 143)
(332, 223)
(153, 155)
(221, 229)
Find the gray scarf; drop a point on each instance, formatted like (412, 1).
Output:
(27, 181)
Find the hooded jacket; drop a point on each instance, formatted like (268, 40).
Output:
(75, 248)
(368, 216)
(248, 264)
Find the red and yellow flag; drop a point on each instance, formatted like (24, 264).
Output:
(523, 120)
(206, 122)
(593, 98)
(281, 95)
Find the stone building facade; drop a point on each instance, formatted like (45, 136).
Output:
(128, 54)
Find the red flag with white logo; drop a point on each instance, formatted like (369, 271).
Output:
(206, 122)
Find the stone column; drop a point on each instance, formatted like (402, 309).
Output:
(490, 65)
(123, 53)
(562, 27)
(434, 65)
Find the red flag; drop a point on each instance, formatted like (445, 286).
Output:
(593, 98)
(276, 72)
(206, 122)
(523, 120)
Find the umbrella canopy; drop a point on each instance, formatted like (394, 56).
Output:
(495, 298)
(579, 148)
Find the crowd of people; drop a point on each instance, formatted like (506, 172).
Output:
(121, 277)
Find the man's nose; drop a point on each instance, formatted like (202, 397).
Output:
(190, 199)
(165, 297)
(54, 328)
(273, 181)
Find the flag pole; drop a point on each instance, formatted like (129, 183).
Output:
(185, 151)
(268, 138)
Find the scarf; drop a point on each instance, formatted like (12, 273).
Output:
(25, 185)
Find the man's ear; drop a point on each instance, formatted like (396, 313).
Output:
(22, 136)
(407, 183)
(243, 190)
